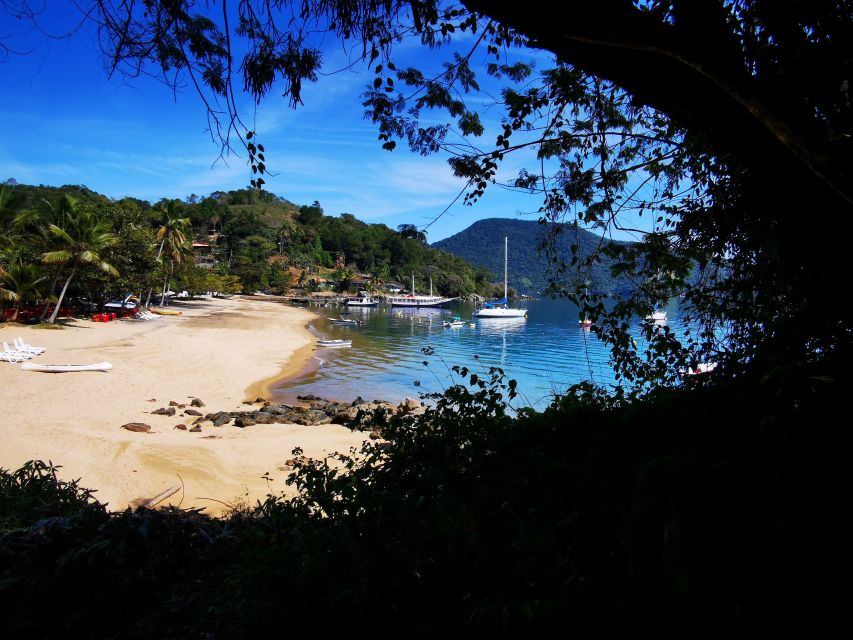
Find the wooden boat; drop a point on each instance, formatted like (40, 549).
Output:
(334, 343)
(64, 368)
(418, 301)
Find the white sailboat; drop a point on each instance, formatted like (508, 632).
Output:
(500, 308)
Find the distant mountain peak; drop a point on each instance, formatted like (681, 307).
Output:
(482, 243)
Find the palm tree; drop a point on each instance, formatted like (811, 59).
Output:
(81, 242)
(21, 283)
(174, 239)
(411, 231)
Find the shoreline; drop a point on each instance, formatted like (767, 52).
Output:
(225, 352)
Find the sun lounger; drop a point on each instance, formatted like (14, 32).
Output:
(23, 347)
(13, 355)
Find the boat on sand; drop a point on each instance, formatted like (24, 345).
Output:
(64, 368)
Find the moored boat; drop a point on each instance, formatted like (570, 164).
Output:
(454, 321)
(419, 301)
(334, 343)
(657, 316)
(65, 368)
(500, 308)
(363, 301)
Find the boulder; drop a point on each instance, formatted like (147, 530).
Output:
(359, 400)
(192, 412)
(221, 418)
(162, 411)
(172, 403)
(196, 402)
(312, 418)
(181, 427)
(139, 427)
(374, 435)
(264, 418)
(309, 398)
(288, 417)
(196, 429)
(408, 405)
(244, 421)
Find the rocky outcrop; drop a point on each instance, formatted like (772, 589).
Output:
(367, 416)
(138, 427)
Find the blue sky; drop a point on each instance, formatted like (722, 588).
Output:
(66, 122)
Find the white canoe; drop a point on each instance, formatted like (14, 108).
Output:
(334, 343)
(62, 368)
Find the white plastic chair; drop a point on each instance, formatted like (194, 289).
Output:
(23, 347)
(12, 355)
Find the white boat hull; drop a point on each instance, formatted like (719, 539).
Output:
(64, 368)
(334, 343)
(419, 302)
(498, 312)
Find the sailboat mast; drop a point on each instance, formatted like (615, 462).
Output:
(506, 258)
(430, 286)
(413, 283)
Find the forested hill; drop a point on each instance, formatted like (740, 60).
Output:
(482, 245)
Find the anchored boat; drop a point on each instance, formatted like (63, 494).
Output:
(501, 308)
(334, 343)
(415, 300)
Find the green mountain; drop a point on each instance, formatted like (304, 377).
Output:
(482, 245)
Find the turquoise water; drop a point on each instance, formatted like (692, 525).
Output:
(545, 353)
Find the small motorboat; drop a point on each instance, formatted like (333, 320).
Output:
(344, 321)
(363, 301)
(455, 321)
(585, 323)
(64, 368)
(656, 316)
(334, 343)
(702, 367)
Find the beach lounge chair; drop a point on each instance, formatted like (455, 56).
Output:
(13, 355)
(23, 347)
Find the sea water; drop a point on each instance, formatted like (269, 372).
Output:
(399, 352)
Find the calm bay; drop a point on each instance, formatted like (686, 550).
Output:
(546, 353)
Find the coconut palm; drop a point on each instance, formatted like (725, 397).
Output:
(22, 283)
(174, 236)
(82, 241)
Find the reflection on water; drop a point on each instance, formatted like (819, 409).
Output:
(546, 352)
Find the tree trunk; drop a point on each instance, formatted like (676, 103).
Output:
(166, 284)
(61, 296)
(47, 302)
(159, 253)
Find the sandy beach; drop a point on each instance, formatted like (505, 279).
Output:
(221, 351)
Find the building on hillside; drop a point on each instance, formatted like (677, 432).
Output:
(203, 254)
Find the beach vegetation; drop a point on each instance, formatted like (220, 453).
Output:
(78, 245)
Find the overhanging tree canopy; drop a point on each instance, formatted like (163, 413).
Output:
(728, 121)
